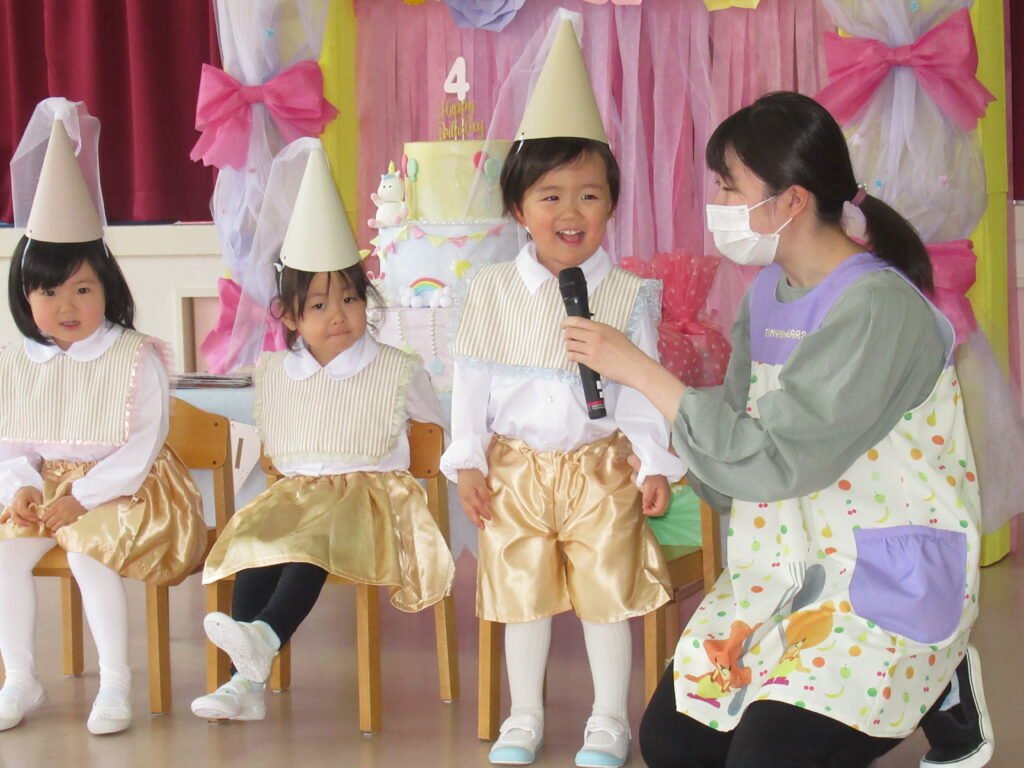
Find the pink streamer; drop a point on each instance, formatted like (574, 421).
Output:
(944, 60)
(293, 98)
(221, 356)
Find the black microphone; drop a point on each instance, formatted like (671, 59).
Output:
(573, 286)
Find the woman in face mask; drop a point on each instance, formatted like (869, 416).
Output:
(839, 444)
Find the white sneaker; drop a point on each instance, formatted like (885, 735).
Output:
(251, 651)
(519, 739)
(18, 697)
(237, 699)
(606, 742)
(111, 712)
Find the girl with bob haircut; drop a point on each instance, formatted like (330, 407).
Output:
(83, 464)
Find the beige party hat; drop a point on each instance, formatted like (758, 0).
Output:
(318, 238)
(63, 211)
(562, 104)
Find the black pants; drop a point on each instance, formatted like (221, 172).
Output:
(281, 595)
(770, 734)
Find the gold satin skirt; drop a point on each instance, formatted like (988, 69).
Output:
(157, 535)
(365, 527)
(568, 531)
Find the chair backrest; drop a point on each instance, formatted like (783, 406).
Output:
(426, 444)
(203, 441)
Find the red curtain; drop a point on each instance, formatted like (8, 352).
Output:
(136, 65)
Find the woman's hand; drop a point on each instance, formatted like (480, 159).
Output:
(23, 509)
(64, 511)
(605, 350)
(656, 493)
(475, 496)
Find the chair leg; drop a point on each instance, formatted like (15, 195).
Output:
(368, 655)
(71, 626)
(158, 635)
(672, 632)
(218, 665)
(489, 687)
(654, 649)
(281, 670)
(447, 649)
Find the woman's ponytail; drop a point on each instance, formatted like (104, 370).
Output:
(896, 242)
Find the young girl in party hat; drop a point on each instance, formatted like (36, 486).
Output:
(83, 464)
(333, 411)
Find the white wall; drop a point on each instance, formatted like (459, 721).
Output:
(165, 265)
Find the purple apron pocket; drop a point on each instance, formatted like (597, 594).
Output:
(910, 580)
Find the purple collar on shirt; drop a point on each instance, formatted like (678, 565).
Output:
(777, 327)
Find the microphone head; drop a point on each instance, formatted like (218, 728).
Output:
(572, 282)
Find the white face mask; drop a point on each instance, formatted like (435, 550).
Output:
(730, 227)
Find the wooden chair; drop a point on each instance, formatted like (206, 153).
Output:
(686, 566)
(202, 441)
(426, 444)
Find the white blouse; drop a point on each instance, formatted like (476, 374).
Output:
(551, 415)
(118, 471)
(420, 402)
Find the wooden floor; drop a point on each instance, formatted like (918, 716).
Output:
(315, 723)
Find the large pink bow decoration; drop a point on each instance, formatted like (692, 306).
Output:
(944, 60)
(953, 270)
(294, 99)
(221, 354)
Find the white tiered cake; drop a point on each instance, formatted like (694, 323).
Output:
(450, 220)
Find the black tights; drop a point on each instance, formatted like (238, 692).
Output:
(770, 734)
(281, 595)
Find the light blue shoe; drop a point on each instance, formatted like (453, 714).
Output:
(606, 743)
(519, 739)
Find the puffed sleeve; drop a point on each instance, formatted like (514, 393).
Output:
(19, 468)
(421, 403)
(471, 435)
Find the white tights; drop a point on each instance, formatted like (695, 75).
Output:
(103, 598)
(609, 649)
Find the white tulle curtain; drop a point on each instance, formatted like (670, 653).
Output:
(258, 40)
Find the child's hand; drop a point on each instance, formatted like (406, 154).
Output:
(656, 493)
(64, 511)
(23, 510)
(475, 496)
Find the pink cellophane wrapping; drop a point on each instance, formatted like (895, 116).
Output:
(690, 345)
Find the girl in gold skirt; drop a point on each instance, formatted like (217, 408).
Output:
(332, 412)
(83, 463)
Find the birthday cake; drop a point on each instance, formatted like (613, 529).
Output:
(437, 216)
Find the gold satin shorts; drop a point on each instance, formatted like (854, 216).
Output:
(567, 532)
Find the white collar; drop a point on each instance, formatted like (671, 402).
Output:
(300, 363)
(534, 274)
(82, 351)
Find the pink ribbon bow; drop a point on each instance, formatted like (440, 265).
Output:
(953, 269)
(944, 60)
(294, 99)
